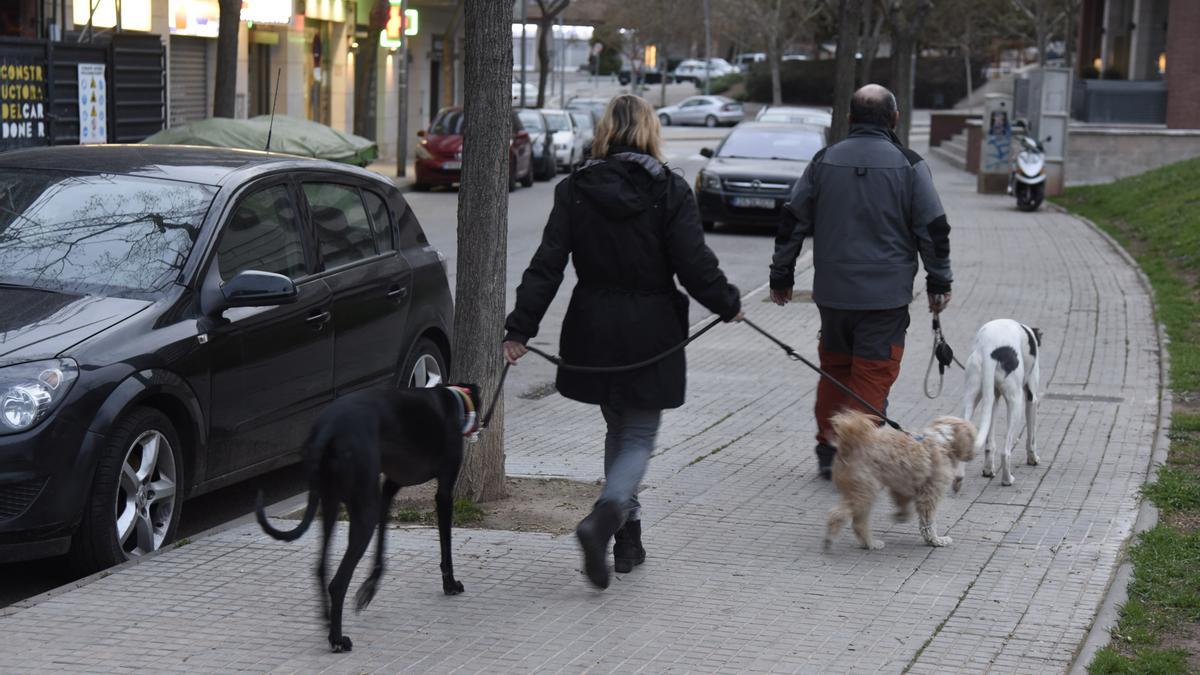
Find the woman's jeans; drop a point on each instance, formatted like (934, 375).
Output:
(627, 449)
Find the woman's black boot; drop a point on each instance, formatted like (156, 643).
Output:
(628, 550)
(593, 533)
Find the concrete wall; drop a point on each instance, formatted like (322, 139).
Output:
(1107, 154)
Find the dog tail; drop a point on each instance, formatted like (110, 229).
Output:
(310, 512)
(987, 401)
(853, 430)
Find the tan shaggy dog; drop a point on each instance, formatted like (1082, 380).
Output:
(915, 469)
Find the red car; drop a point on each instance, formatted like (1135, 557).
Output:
(439, 154)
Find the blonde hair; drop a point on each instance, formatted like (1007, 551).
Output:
(630, 121)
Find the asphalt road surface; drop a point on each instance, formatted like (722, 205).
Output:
(744, 254)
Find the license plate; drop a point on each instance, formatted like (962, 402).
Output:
(451, 166)
(752, 202)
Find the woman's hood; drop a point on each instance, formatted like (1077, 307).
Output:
(622, 185)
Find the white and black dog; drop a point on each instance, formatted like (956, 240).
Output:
(1003, 364)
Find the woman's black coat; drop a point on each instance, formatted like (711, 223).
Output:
(630, 226)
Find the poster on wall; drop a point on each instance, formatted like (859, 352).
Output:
(22, 103)
(93, 104)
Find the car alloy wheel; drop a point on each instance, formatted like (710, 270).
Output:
(664, 120)
(146, 490)
(710, 121)
(426, 372)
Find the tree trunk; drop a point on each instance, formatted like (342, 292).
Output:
(482, 233)
(366, 76)
(225, 88)
(843, 83)
(776, 77)
(905, 31)
(545, 27)
(873, 23)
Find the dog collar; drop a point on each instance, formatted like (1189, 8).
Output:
(466, 409)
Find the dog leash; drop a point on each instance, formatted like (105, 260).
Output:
(596, 370)
(943, 354)
(793, 355)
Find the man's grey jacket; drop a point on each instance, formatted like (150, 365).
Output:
(870, 206)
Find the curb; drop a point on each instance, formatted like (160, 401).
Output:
(1099, 635)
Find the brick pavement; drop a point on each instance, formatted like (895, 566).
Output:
(736, 579)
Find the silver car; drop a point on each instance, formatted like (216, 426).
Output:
(711, 111)
(565, 139)
(787, 114)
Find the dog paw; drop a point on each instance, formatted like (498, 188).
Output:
(874, 545)
(1032, 460)
(452, 587)
(957, 484)
(988, 472)
(940, 541)
(1006, 482)
(341, 644)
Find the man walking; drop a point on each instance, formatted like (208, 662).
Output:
(870, 207)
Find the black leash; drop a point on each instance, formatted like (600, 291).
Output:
(596, 370)
(943, 354)
(797, 357)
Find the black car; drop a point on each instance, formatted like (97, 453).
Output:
(172, 319)
(750, 175)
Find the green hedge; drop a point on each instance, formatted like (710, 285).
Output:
(720, 85)
(941, 82)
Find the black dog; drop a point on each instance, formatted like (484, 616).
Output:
(411, 436)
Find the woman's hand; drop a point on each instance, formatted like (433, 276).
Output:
(513, 351)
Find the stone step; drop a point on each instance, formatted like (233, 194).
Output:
(958, 161)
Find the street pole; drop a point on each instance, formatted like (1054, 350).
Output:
(707, 45)
(524, 17)
(402, 97)
(562, 65)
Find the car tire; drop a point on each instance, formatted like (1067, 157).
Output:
(148, 518)
(424, 367)
(527, 179)
(708, 225)
(664, 120)
(710, 121)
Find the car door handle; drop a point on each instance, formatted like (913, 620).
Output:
(318, 320)
(398, 293)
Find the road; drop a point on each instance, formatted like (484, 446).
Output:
(744, 254)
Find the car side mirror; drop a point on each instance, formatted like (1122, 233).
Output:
(707, 152)
(252, 288)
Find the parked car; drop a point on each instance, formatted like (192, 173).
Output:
(596, 106)
(794, 57)
(743, 61)
(175, 318)
(711, 111)
(750, 175)
(568, 143)
(785, 114)
(692, 70)
(545, 166)
(648, 76)
(585, 125)
(530, 94)
(439, 154)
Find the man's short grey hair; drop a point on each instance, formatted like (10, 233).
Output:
(873, 104)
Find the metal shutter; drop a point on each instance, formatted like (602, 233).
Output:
(189, 80)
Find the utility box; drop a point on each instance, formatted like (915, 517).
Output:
(1046, 105)
(995, 145)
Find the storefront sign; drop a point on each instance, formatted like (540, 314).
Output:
(200, 18)
(93, 104)
(135, 14)
(410, 24)
(22, 103)
(325, 10)
(267, 11)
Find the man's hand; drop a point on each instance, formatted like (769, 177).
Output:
(938, 302)
(781, 296)
(513, 351)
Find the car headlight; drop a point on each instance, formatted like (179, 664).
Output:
(423, 152)
(710, 181)
(29, 391)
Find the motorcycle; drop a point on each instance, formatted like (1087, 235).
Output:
(1027, 179)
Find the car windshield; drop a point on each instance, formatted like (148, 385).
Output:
(794, 118)
(448, 123)
(583, 120)
(790, 144)
(557, 121)
(532, 121)
(99, 234)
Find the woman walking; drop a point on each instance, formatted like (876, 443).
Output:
(631, 227)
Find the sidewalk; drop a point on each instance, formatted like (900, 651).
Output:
(736, 580)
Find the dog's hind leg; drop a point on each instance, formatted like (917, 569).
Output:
(364, 513)
(445, 516)
(838, 516)
(1031, 406)
(861, 516)
(903, 507)
(366, 592)
(329, 515)
(1015, 412)
(926, 511)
